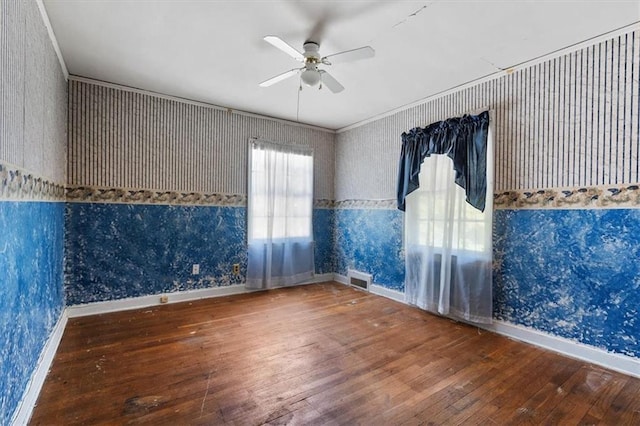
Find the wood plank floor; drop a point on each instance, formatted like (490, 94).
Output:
(316, 354)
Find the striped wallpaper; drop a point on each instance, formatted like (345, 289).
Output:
(571, 121)
(33, 95)
(122, 138)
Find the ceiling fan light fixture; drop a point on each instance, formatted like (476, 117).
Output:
(310, 77)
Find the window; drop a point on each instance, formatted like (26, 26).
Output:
(448, 243)
(281, 194)
(434, 211)
(279, 215)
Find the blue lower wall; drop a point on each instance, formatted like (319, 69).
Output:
(324, 222)
(31, 291)
(572, 273)
(370, 240)
(116, 251)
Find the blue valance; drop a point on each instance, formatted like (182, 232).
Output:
(463, 139)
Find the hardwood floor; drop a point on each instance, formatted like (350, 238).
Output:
(316, 354)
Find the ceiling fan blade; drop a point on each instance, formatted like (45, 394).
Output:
(349, 55)
(330, 82)
(278, 78)
(284, 46)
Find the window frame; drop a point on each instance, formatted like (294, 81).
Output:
(305, 196)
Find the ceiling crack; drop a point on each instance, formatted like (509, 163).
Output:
(493, 65)
(411, 15)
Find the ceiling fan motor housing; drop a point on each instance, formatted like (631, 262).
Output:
(311, 52)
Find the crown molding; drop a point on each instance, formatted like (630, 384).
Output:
(52, 37)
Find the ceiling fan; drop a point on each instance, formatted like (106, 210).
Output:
(310, 74)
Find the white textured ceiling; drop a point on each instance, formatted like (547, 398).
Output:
(213, 51)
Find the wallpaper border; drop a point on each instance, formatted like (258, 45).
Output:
(94, 194)
(588, 197)
(389, 204)
(18, 184)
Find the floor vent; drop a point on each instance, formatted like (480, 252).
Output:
(359, 279)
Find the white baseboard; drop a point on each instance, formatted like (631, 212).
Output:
(152, 300)
(621, 363)
(387, 292)
(32, 391)
(375, 289)
(342, 279)
(181, 296)
(320, 278)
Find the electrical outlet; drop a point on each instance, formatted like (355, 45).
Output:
(164, 298)
(195, 269)
(236, 268)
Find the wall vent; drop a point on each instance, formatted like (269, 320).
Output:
(359, 279)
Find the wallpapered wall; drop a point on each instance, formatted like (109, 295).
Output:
(156, 185)
(566, 193)
(33, 102)
(33, 96)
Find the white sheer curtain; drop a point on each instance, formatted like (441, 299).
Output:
(448, 244)
(280, 208)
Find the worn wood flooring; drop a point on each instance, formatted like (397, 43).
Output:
(316, 354)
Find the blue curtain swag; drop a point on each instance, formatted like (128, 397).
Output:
(463, 139)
